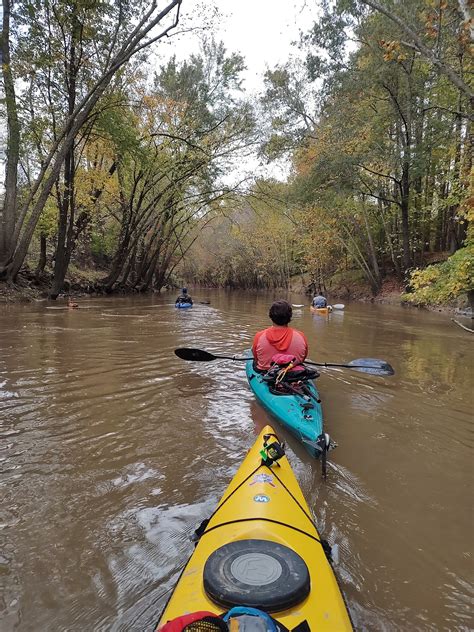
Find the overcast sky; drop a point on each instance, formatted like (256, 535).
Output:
(261, 30)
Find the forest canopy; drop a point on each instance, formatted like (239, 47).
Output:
(138, 169)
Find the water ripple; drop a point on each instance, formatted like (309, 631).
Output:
(113, 450)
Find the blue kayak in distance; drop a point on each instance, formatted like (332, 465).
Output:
(183, 305)
(302, 414)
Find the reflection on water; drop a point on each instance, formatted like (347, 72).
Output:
(112, 451)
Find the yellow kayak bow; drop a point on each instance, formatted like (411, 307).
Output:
(261, 549)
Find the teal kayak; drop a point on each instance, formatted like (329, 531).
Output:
(301, 414)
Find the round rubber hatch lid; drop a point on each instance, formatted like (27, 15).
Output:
(257, 573)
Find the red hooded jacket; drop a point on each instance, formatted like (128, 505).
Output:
(278, 339)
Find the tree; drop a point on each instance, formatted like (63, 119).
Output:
(111, 33)
(9, 200)
(170, 185)
(433, 55)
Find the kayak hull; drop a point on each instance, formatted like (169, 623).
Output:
(256, 507)
(303, 418)
(183, 305)
(321, 310)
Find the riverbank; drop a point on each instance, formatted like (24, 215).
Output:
(343, 289)
(29, 288)
(350, 287)
(353, 290)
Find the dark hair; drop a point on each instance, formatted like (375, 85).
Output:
(280, 312)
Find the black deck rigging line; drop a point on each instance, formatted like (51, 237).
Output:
(291, 495)
(244, 481)
(227, 498)
(198, 531)
(323, 543)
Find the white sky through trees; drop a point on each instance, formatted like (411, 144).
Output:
(262, 31)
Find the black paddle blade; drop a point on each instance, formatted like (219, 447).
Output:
(195, 355)
(372, 366)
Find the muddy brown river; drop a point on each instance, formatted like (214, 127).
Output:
(112, 451)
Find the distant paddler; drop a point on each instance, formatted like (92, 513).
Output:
(319, 301)
(184, 298)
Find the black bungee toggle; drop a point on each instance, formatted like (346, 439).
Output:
(271, 452)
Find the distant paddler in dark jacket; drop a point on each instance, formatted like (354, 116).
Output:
(184, 297)
(319, 301)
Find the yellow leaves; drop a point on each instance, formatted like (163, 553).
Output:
(423, 278)
(88, 182)
(160, 112)
(48, 222)
(464, 36)
(441, 283)
(149, 101)
(392, 50)
(318, 235)
(305, 157)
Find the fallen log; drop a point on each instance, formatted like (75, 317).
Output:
(463, 326)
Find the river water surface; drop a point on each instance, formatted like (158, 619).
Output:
(112, 451)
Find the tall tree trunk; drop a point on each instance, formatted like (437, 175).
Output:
(388, 236)
(129, 267)
(42, 258)
(66, 210)
(405, 209)
(8, 206)
(465, 177)
(372, 253)
(453, 224)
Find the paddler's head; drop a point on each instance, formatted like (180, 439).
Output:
(184, 290)
(280, 313)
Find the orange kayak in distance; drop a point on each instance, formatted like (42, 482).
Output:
(321, 310)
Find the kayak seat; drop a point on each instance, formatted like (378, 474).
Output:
(303, 373)
(293, 376)
(257, 573)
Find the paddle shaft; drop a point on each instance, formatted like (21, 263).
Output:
(322, 364)
(335, 306)
(364, 364)
(341, 366)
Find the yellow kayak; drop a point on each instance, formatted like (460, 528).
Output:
(261, 549)
(321, 310)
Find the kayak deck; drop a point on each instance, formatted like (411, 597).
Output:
(256, 507)
(302, 416)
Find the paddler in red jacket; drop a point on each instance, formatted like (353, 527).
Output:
(279, 338)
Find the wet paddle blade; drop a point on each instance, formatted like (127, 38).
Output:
(297, 306)
(371, 366)
(194, 355)
(338, 306)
